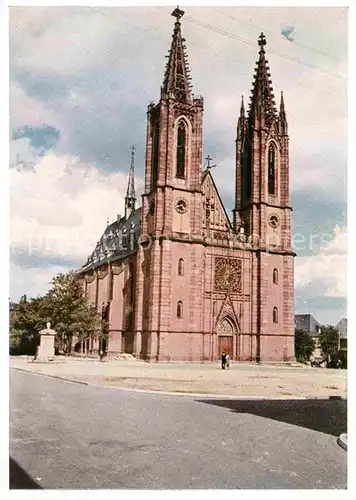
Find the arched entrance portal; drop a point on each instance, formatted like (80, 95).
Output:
(226, 333)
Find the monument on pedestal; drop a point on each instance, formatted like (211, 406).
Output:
(46, 347)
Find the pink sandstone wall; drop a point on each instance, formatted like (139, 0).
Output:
(116, 314)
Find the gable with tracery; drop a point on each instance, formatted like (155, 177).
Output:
(214, 214)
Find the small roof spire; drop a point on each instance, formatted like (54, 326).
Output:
(282, 110)
(242, 109)
(283, 124)
(130, 199)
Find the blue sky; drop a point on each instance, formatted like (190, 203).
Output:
(80, 83)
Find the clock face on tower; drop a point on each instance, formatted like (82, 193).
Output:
(181, 206)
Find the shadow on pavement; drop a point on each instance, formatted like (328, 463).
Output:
(328, 416)
(19, 479)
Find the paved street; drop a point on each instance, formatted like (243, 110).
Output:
(67, 435)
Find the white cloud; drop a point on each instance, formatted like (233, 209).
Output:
(29, 111)
(33, 281)
(327, 267)
(59, 209)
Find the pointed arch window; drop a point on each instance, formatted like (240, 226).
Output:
(275, 315)
(275, 276)
(181, 149)
(272, 159)
(180, 309)
(180, 267)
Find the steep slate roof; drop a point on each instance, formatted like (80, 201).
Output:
(119, 240)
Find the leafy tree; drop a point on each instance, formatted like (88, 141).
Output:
(303, 345)
(26, 320)
(329, 343)
(65, 307)
(69, 311)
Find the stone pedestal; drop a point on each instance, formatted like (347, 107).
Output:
(46, 347)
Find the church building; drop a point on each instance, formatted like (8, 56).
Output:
(176, 279)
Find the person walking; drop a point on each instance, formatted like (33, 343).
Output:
(227, 362)
(223, 360)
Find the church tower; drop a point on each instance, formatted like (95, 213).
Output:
(262, 207)
(172, 198)
(171, 218)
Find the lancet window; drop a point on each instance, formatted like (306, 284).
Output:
(272, 157)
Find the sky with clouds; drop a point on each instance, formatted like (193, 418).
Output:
(80, 82)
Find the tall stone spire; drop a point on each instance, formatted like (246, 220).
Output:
(177, 78)
(262, 104)
(130, 199)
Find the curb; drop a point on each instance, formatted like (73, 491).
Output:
(342, 441)
(51, 376)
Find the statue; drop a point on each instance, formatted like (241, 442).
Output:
(45, 350)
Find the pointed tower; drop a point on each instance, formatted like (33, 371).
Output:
(171, 217)
(130, 198)
(262, 159)
(174, 148)
(262, 206)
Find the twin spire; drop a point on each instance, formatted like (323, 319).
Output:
(176, 83)
(262, 104)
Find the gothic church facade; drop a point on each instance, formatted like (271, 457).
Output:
(175, 279)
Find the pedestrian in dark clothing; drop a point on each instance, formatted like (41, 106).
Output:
(223, 360)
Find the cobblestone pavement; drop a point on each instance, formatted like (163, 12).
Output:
(242, 380)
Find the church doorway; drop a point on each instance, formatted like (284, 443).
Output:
(226, 345)
(226, 332)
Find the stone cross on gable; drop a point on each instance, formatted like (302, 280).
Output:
(209, 159)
